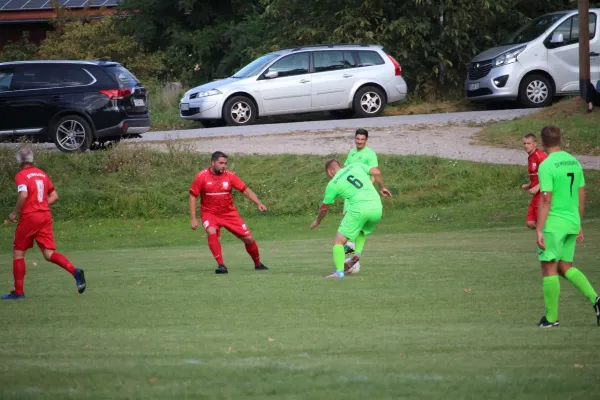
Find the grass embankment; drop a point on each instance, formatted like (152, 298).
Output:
(581, 129)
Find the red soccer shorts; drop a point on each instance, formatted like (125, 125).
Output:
(230, 221)
(532, 211)
(34, 226)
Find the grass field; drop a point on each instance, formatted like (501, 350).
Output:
(579, 128)
(445, 305)
(430, 315)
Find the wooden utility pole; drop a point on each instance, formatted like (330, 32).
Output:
(584, 49)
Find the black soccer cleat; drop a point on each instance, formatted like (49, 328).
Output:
(80, 280)
(221, 269)
(260, 267)
(597, 309)
(545, 324)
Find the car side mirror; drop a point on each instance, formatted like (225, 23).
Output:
(557, 38)
(271, 74)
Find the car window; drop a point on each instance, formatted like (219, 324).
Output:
(333, 60)
(570, 30)
(369, 58)
(51, 76)
(295, 64)
(122, 76)
(5, 80)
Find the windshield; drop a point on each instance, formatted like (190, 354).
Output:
(255, 66)
(533, 29)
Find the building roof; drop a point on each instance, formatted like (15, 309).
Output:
(21, 11)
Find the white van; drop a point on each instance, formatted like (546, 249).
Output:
(537, 63)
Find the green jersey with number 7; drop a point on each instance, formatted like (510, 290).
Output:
(353, 183)
(562, 175)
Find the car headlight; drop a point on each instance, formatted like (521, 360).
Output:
(508, 58)
(212, 92)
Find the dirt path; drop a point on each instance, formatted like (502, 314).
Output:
(452, 142)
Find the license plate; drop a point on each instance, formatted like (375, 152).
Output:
(185, 106)
(473, 86)
(139, 102)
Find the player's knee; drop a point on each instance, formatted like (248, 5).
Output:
(18, 254)
(47, 254)
(247, 239)
(211, 231)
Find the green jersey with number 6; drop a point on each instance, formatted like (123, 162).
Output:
(353, 183)
(562, 175)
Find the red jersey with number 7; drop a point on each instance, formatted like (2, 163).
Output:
(37, 185)
(215, 191)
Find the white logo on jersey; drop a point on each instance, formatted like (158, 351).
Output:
(40, 190)
(225, 185)
(534, 165)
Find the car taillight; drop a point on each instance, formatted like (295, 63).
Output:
(117, 94)
(397, 67)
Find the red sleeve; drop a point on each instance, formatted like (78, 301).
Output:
(20, 180)
(541, 157)
(237, 183)
(50, 186)
(196, 187)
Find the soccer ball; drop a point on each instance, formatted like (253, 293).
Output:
(354, 269)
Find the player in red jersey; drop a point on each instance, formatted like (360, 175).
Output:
(35, 196)
(214, 186)
(536, 157)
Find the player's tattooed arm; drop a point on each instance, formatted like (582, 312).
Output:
(376, 173)
(322, 213)
(193, 220)
(252, 196)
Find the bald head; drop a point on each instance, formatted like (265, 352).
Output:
(25, 156)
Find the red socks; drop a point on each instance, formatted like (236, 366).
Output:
(252, 249)
(215, 248)
(19, 274)
(63, 262)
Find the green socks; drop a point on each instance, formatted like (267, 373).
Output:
(339, 257)
(360, 242)
(551, 294)
(578, 279)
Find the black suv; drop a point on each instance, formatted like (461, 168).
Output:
(71, 103)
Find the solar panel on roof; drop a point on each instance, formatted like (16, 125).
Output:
(34, 4)
(3, 3)
(14, 5)
(75, 3)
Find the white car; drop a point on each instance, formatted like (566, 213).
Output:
(356, 78)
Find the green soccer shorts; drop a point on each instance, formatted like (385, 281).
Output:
(356, 221)
(559, 247)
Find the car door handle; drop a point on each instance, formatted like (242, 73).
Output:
(347, 76)
(56, 98)
(304, 81)
(594, 54)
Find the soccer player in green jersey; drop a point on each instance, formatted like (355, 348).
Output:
(559, 225)
(353, 183)
(364, 155)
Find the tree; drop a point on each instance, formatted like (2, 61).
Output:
(19, 51)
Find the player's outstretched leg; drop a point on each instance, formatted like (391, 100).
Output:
(551, 287)
(252, 249)
(63, 262)
(579, 280)
(19, 269)
(352, 264)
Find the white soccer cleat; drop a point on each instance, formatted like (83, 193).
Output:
(350, 263)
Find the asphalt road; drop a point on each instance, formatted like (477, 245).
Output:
(327, 125)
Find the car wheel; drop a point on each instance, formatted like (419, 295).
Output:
(535, 91)
(72, 133)
(369, 101)
(239, 110)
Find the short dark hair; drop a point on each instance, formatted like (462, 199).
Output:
(530, 135)
(216, 155)
(361, 131)
(551, 136)
(330, 162)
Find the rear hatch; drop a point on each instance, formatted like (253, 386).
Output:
(132, 95)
